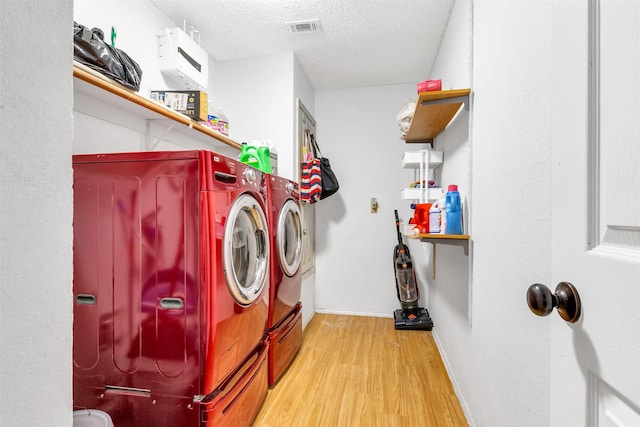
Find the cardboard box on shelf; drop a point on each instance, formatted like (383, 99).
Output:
(191, 103)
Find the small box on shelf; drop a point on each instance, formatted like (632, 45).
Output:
(408, 230)
(430, 85)
(191, 103)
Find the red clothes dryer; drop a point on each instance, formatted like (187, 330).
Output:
(285, 309)
(171, 271)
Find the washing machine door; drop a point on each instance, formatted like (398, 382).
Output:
(289, 241)
(246, 250)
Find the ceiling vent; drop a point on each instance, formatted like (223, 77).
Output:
(310, 26)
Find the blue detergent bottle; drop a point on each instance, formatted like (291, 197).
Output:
(453, 211)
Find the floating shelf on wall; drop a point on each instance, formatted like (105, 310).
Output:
(434, 111)
(448, 239)
(101, 86)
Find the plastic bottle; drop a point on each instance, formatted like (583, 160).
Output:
(264, 155)
(422, 215)
(223, 122)
(217, 120)
(443, 215)
(273, 158)
(434, 218)
(249, 156)
(212, 118)
(453, 211)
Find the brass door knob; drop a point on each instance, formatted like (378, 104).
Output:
(566, 298)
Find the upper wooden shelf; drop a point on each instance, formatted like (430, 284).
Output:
(434, 111)
(94, 79)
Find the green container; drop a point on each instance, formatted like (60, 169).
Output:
(259, 158)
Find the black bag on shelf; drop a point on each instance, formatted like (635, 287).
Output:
(90, 49)
(329, 181)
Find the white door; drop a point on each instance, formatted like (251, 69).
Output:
(595, 362)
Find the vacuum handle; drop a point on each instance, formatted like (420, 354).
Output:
(398, 229)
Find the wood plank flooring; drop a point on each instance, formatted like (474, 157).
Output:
(360, 371)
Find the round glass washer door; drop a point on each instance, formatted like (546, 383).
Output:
(289, 241)
(246, 250)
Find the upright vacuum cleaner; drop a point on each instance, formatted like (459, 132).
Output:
(410, 315)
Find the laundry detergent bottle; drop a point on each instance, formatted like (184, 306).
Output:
(264, 154)
(249, 156)
(434, 218)
(453, 208)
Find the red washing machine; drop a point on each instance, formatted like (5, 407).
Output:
(285, 309)
(171, 278)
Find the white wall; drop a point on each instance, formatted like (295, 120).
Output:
(358, 132)
(256, 95)
(496, 350)
(35, 213)
(450, 293)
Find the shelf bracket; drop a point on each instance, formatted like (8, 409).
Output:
(422, 141)
(462, 99)
(151, 146)
(456, 242)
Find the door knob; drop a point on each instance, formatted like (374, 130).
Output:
(542, 302)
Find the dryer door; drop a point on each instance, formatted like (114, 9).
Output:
(246, 250)
(289, 234)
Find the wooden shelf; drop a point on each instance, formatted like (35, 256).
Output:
(447, 239)
(434, 111)
(437, 237)
(154, 109)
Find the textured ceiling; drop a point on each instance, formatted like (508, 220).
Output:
(362, 43)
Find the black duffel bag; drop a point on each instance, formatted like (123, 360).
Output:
(90, 49)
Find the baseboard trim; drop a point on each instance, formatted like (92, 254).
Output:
(352, 313)
(452, 377)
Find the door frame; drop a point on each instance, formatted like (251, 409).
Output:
(306, 121)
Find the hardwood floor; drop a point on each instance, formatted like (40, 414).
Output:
(360, 371)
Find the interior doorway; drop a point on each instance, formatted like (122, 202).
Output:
(306, 123)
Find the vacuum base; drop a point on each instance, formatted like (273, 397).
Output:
(417, 320)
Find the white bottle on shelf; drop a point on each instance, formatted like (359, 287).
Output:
(434, 218)
(443, 216)
(217, 119)
(223, 122)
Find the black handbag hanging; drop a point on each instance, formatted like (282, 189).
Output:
(329, 181)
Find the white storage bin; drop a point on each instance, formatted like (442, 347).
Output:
(431, 194)
(411, 159)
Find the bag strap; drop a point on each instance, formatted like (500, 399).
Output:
(307, 145)
(86, 34)
(316, 149)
